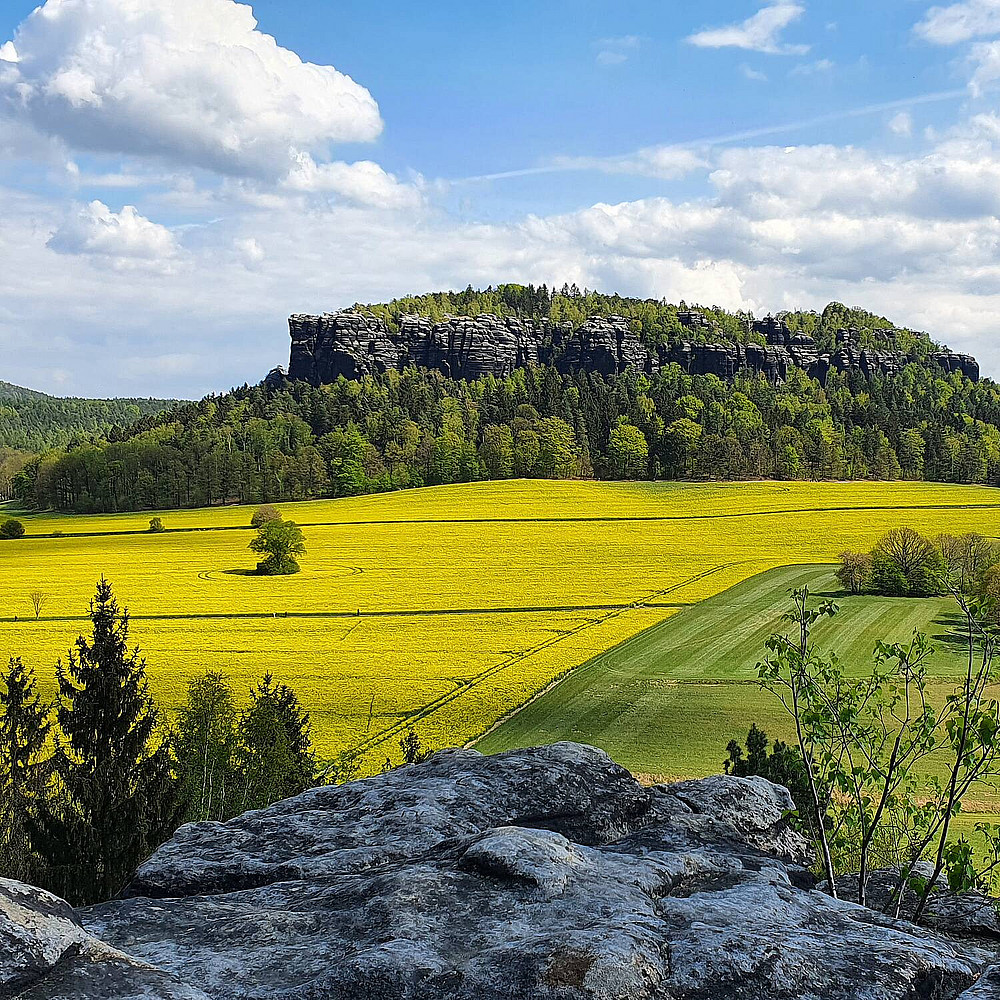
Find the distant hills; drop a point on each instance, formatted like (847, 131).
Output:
(35, 421)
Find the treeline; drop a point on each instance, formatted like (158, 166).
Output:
(417, 428)
(33, 421)
(903, 563)
(93, 783)
(655, 320)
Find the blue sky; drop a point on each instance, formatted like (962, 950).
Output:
(173, 183)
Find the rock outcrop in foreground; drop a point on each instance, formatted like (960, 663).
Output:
(355, 344)
(548, 874)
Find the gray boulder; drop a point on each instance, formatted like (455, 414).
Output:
(45, 954)
(548, 874)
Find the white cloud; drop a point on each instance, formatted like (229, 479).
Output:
(813, 68)
(901, 124)
(663, 162)
(190, 81)
(125, 237)
(8, 53)
(959, 22)
(759, 33)
(250, 251)
(615, 51)
(912, 237)
(985, 57)
(753, 74)
(364, 182)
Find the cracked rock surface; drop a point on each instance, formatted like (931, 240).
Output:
(548, 874)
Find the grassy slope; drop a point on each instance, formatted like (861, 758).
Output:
(666, 702)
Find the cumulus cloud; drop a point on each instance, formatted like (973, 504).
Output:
(759, 33)
(249, 251)
(191, 81)
(959, 22)
(901, 124)
(124, 237)
(364, 183)
(985, 58)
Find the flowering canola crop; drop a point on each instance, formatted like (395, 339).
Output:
(444, 608)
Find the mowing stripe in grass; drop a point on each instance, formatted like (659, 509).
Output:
(437, 703)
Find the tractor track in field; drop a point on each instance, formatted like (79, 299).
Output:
(432, 706)
(581, 519)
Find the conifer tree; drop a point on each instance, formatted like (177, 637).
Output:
(276, 758)
(24, 768)
(118, 798)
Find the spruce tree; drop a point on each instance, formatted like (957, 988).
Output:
(24, 768)
(118, 798)
(276, 758)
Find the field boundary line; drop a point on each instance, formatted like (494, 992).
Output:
(581, 519)
(388, 613)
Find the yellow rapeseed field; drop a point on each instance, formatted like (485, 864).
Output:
(443, 608)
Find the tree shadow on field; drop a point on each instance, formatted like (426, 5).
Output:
(955, 635)
(241, 572)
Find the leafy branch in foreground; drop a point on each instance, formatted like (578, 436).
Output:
(864, 742)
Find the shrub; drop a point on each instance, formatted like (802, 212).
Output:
(11, 528)
(156, 525)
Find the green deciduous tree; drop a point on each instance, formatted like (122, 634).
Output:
(11, 528)
(628, 452)
(281, 542)
(206, 748)
(864, 742)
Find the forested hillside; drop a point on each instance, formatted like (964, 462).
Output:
(419, 428)
(33, 421)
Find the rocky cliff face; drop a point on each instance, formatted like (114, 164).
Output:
(356, 344)
(546, 874)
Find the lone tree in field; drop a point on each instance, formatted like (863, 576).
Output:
(280, 541)
(12, 528)
(116, 797)
(37, 600)
(24, 769)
